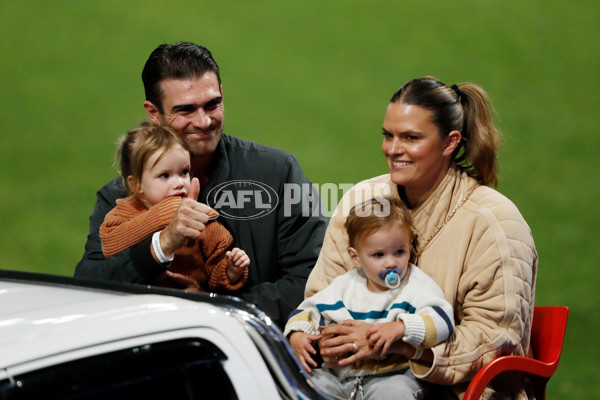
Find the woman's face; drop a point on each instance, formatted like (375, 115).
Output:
(417, 156)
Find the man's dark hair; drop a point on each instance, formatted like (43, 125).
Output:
(181, 60)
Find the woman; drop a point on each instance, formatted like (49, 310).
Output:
(440, 145)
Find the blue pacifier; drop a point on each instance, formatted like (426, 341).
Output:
(391, 277)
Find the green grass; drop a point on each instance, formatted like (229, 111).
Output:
(312, 77)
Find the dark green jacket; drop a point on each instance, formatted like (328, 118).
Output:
(258, 192)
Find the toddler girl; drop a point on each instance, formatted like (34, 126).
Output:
(155, 167)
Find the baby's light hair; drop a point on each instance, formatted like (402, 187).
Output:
(376, 213)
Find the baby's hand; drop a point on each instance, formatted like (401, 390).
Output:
(383, 335)
(237, 262)
(302, 344)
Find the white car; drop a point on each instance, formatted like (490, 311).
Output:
(64, 338)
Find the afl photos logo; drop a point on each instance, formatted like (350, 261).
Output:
(243, 199)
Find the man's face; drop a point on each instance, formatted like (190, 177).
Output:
(194, 108)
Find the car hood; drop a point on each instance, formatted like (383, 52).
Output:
(43, 320)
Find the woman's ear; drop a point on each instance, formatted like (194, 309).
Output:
(453, 140)
(353, 256)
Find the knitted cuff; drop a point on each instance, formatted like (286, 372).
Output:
(303, 326)
(220, 280)
(414, 333)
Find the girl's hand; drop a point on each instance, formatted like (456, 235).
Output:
(238, 258)
(237, 262)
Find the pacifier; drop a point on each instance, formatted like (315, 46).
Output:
(391, 277)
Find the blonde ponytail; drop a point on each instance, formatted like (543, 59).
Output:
(482, 137)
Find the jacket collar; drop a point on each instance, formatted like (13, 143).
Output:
(220, 169)
(429, 215)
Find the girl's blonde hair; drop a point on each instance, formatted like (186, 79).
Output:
(139, 145)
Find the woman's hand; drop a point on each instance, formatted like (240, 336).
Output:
(302, 344)
(345, 343)
(405, 349)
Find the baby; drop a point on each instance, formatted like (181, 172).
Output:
(384, 289)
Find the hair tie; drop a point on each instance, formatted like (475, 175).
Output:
(457, 91)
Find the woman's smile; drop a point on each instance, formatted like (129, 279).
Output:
(401, 164)
(416, 154)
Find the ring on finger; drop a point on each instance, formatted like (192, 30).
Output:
(355, 347)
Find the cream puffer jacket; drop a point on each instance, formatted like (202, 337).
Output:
(485, 261)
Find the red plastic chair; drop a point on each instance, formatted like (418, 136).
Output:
(547, 334)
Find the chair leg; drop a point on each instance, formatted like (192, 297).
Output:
(539, 385)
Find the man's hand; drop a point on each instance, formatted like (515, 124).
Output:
(183, 282)
(187, 223)
(302, 344)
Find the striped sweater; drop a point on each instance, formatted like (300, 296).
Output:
(419, 302)
(202, 259)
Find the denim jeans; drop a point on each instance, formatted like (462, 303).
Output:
(400, 384)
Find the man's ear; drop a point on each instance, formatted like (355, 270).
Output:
(353, 256)
(453, 140)
(152, 111)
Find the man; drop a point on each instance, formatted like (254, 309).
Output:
(254, 187)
